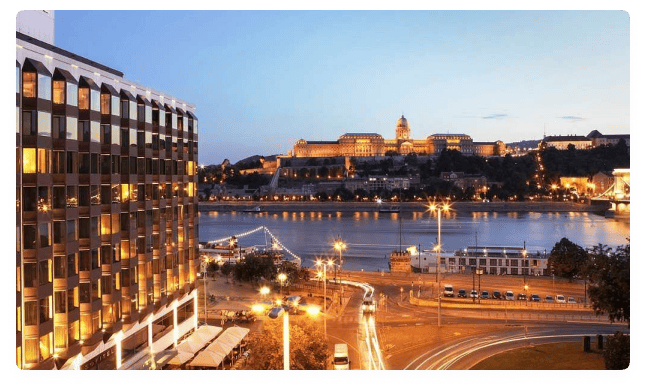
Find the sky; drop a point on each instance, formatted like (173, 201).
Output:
(261, 80)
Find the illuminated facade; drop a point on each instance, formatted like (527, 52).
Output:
(373, 144)
(106, 212)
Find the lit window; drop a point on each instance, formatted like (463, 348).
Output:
(29, 84)
(59, 92)
(84, 98)
(29, 160)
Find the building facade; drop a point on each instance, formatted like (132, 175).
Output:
(373, 144)
(106, 211)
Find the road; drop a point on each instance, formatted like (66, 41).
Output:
(463, 354)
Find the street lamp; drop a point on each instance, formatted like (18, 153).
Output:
(310, 311)
(264, 291)
(339, 246)
(324, 264)
(282, 278)
(440, 208)
(204, 263)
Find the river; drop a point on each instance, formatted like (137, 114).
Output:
(370, 236)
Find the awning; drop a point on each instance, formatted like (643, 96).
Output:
(87, 82)
(181, 358)
(207, 359)
(144, 100)
(34, 65)
(208, 332)
(65, 75)
(194, 343)
(127, 94)
(158, 104)
(110, 89)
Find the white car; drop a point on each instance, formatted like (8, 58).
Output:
(509, 295)
(560, 299)
(571, 300)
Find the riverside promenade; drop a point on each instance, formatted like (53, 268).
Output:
(461, 206)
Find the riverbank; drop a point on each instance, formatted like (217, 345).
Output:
(309, 206)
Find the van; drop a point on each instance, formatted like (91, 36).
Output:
(368, 305)
(448, 290)
(341, 360)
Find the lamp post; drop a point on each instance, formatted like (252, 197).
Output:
(310, 311)
(281, 278)
(206, 321)
(324, 264)
(444, 207)
(479, 273)
(339, 246)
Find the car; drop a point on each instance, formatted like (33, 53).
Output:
(521, 297)
(497, 295)
(276, 312)
(448, 290)
(474, 294)
(509, 295)
(484, 294)
(571, 300)
(535, 298)
(560, 299)
(341, 359)
(368, 305)
(549, 298)
(462, 293)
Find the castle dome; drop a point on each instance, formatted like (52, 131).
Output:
(402, 122)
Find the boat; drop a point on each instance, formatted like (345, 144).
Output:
(255, 209)
(389, 210)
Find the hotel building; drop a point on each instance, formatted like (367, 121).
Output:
(373, 144)
(106, 210)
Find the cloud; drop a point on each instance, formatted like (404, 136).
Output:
(494, 116)
(572, 118)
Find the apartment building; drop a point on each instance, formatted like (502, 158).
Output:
(106, 210)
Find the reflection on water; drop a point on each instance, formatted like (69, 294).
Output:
(371, 236)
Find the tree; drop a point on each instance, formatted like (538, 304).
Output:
(567, 259)
(254, 267)
(307, 346)
(616, 353)
(609, 275)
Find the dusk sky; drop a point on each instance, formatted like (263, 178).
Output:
(263, 80)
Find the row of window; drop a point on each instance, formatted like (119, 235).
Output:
(496, 262)
(68, 128)
(45, 161)
(86, 98)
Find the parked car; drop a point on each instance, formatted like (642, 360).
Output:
(521, 297)
(474, 294)
(560, 299)
(549, 298)
(497, 295)
(448, 290)
(462, 293)
(509, 295)
(571, 300)
(484, 294)
(535, 298)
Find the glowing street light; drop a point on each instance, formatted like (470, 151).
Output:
(339, 246)
(319, 263)
(282, 278)
(440, 208)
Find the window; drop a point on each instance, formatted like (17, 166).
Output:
(44, 87)
(115, 105)
(71, 233)
(59, 92)
(72, 196)
(133, 110)
(105, 134)
(124, 109)
(59, 199)
(30, 271)
(133, 137)
(58, 162)
(115, 139)
(29, 84)
(44, 155)
(84, 129)
(72, 265)
(43, 234)
(74, 334)
(84, 293)
(59, 232)
(45, 308)
(84, 98)
(44, 124)
(31, 313)
(58, 127)
(95, 101)
(105, 103)
(84, 163)
(72, 94)
(29, 160)
(71, 130)
(95, 132)
(60, 302)
(29, 122)
(60, 267)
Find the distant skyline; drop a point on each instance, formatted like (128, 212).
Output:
(263, 80)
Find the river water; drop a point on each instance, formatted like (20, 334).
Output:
(370, 236)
